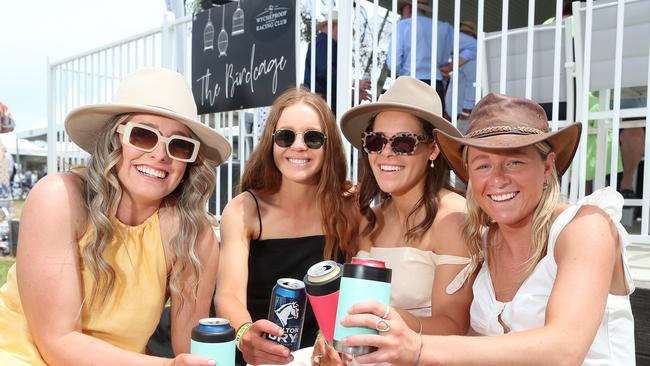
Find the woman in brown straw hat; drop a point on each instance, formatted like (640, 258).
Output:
(554, 285)
(416, 226)
(295, 208)
(102, 249)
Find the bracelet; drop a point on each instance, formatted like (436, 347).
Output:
(417, 357)
(240, 332)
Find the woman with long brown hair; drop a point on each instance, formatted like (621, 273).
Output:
(295, 209)
(416, 225)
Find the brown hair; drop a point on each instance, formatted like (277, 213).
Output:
(333, 189)
(436, 178)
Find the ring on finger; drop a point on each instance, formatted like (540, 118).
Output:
(316, 358)
(382, 325)
(386, 312)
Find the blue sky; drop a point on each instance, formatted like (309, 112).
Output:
(32, 31)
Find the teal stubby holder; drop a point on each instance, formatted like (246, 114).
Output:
(214, 338)
(363, 279)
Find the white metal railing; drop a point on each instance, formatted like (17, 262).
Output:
(567, 52)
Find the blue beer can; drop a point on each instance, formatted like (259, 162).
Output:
(214, 338)
(287, 309)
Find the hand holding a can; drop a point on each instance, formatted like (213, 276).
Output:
(395, 342)
(258, 350)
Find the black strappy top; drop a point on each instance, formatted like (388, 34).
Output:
(271, 259)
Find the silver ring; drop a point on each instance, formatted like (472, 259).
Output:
(316, 358)
(382, 325)
(386, 312)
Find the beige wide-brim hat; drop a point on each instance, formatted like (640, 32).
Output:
(408, 95)
(501, 122)
(151, 90)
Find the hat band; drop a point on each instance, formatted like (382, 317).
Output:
(501, 130)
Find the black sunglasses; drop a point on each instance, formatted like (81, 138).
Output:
(402, 143)
(312, 138)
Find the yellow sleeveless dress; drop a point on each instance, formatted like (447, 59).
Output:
(126, 320)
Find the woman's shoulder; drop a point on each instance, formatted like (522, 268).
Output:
(64, 187)
(244, 202)
(448, 225)
(60, 193)
(242, 210)
(451, 201)
(452, 210)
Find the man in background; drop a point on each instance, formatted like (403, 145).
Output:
(423, 41)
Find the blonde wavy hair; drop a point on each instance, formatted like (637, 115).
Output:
(102, 194)
(477, 220)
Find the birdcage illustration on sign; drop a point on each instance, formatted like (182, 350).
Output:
(222, 40)
(208, 33)
(238, 20)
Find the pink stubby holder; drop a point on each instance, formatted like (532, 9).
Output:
(322, 283)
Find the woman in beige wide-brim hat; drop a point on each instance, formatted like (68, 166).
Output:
(102, 249)
(554, 285)
(416, 227)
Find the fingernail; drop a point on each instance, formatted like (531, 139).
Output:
(212, 362)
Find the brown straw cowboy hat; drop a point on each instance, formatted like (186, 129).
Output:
(152, 90)
(500, 122)
(407, 95)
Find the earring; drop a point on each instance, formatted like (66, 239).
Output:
(545, 187)
(432, 164)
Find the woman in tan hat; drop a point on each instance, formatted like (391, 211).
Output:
(416, 225)
(295, 208)
(104, 248)
(554, 285)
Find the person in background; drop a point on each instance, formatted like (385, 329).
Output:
(321, 66)
(466, 72)
(295, 208)
(6, 172)
(6, 161)
(104, 247)
(444, 44)
(554, 284)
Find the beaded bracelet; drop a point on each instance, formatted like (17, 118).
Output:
(240, 332)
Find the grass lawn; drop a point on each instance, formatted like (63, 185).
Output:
(18, 208)
(5, 263)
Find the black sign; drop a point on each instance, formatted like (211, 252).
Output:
(243, 54)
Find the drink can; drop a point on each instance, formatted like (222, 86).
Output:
(322, 283)
(368, 262)
(214, 338)
(287, 309)
(363, 279)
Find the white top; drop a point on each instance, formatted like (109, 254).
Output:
(614, 342)
(412, 275)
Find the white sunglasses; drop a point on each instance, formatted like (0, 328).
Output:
(146, 138)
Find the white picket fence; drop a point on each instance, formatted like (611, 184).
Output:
(603, 49)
